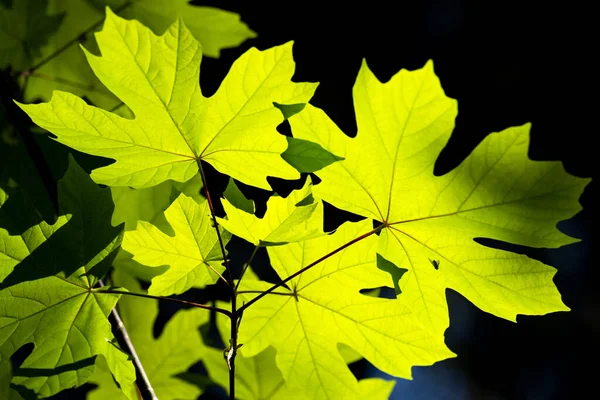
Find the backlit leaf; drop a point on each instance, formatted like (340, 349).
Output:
(497, 192)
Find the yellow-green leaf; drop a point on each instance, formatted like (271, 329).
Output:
(431, 222)
(324, 307)
(175, 126)
(193, 254)
(283, 222)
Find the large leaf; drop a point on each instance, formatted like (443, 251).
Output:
(285, 220)
(175, 126)
(431, 222)
(24, 29)
(178, 347)
(257, 378)
(69, 69)
(324, 307)
(193, 253)
(47, 294)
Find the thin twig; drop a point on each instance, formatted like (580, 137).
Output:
(189, 303)
(245, 268)
(260, 291)
(131, 349)
(71, 42)
(309, 266)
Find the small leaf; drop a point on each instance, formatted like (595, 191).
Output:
(193, 254)
(289, 110)
(237, 199)
(283, 222)
(307, 156)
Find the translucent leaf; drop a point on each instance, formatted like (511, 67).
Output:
(283, 222)
(230, 130)
(324, 307)
(47, 294)
(193, 253)
(430, 222)
(215, 29)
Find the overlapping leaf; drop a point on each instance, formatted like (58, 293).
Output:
(24, 29)
(47, 294)
(258, 378)
(497, 192)
(215, 29)
(193, 253)
(178, 347)
(291, 219)
(324, 307)
(174, 125)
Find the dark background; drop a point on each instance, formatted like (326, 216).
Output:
(506, 63)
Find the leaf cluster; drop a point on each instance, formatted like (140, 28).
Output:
(148, 225)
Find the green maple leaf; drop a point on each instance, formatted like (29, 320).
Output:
(149, 204)
(284, 221)
(24, 30)
(193, 253)
(175, 126)
(178, 347)
(257, 378)
(431, 222)
(236, 198)
(68, 70)
(215, 29)
(47, 294)
(7, 392)
(324, 307)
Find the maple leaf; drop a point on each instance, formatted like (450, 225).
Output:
(193, 253)
(236, 198)
(174, 125)
(257, 378)
(178, 347)
(430, 222)
(323, 307)
(47, 294)
(289, 219)
(24, 30)
(215, 29)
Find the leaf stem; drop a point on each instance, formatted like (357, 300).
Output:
(235, 314)
(246, 267)
(189, 303)
(258, 292)
(309, 266)
(216, 225)
(131, 349)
